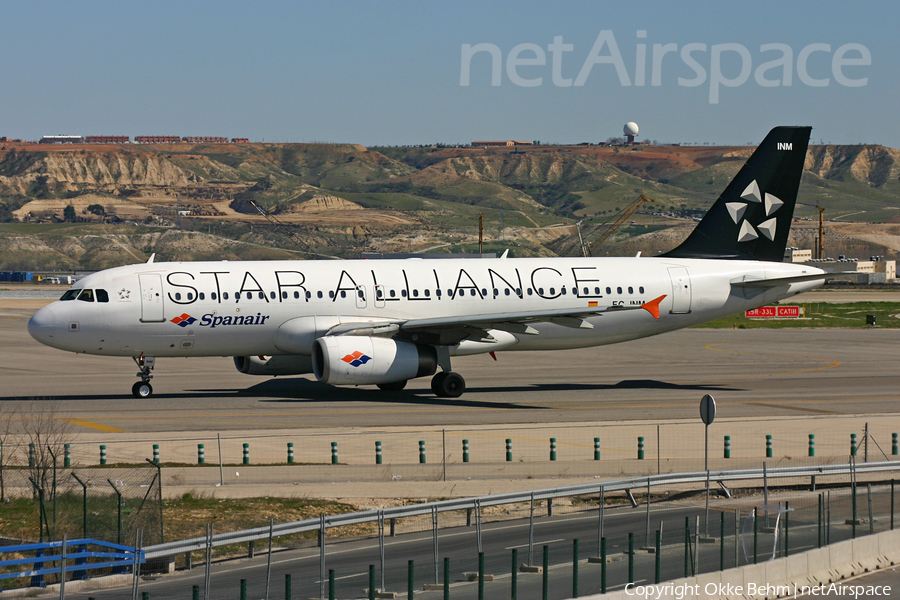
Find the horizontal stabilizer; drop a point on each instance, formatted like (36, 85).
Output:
(776, 281)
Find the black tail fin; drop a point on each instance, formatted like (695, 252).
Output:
(752, 218)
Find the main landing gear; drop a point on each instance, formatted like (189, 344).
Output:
(142, 388)
(448, 384)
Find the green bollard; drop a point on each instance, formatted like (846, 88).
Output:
(687, 546)
(812, 444)
(446, 578)
(243, 589)
(545, 576)
(334, 453)
(155, 454)
(410, 580)
(630, 557)
(465, 444)
(640, 448)
(481, 576)
(575, 568)
(102, 455)
(552, 448)
(378, 458)
(290, 453)
(727, 453)
(421, 452)
(287, 586)
(201, 454)
(513, 579)
(330, 584)
(603, 565)
(596, 448)
(768, 446)
(852, 444)
(246, 459)
(895, 448)
(195, 592)
(371, 582)
(508, 450)
(658, 566)
(145, 595)
(67, 455)
(32, 460)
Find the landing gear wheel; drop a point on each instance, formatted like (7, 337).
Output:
(448, 384)
(394, 386)
(142, 389)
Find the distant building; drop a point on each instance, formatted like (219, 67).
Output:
(62, 139)
(204, 139)
(876, 270)
(157, 139)
(240, 140)
(107, 139)
(502, 143)
(796, 255)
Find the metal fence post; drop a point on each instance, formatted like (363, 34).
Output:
(321, 556)
(446, 577)
(602, 565)
(287, 586)
(658, 558)
(545, 575)
(513, 576)
(410, 580)
(630, 557)
(330, 584)
(434, 534)
(722, 542)
(371, 582)
(787, 528)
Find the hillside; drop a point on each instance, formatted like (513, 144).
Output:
(342, 199)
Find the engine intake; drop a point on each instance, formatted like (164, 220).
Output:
(360, 360)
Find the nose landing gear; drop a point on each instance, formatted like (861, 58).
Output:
(142, 388)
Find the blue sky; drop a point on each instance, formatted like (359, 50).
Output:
(384, 73)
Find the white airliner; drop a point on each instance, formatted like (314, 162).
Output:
(383, 322)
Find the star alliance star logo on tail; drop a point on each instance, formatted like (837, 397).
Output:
(356, 359)
(184, 320)
(736, 211)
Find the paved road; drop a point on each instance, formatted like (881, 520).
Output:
(755, 373)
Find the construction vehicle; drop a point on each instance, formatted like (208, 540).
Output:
(620, 219)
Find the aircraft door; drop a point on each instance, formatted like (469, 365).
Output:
(360, 296)
(151, 298)
(681, 290)
(379, 296)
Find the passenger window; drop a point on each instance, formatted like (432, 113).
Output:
(393, 293)
(507, 291)
(416, 293)
(318, 294)
(102, 296)
(202, 296)
(529, 291)
(630, 290)
(343, 294)
(225, 295)
(403, 293)
(178, 295)
(496, 292)
(518, 291)
(552, 291)
(586, 291)
(618, 290)
(360, 294)
(70, 295)
(272, 295)
(484, 292)
(86, 296)
(190, 296)
(609, 290)
(641, 289)
(428, 293)
(541, 291)
(308, 295)
(212, 296)
(597, 291)
(472, 292)
(437, 292)
(379, 294)
(284, 295)
(331, 294)
(562, 291)
(262, 296)
(237, 296)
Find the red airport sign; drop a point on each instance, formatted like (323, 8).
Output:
(775, 312)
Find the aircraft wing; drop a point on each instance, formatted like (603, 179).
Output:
(453, 329)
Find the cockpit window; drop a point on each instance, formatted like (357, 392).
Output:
(86, 296)
(70, 295)
(102, 296)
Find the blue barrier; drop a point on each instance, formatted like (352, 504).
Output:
(110, 555)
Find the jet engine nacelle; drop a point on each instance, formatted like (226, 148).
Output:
(289, 364)
(359, 360)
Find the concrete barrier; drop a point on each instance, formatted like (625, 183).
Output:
(768, 580)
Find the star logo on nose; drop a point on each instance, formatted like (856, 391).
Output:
(124, 294)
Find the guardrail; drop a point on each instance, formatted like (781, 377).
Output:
(282, 529)
(67, 562)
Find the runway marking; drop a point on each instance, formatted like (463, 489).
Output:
(712, 347)
(97, 426)
(800, 408)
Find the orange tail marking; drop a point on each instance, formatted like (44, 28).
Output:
(652, 307)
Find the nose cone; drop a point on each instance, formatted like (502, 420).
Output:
(42, 326)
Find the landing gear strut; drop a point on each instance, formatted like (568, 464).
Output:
(143, 389)
(448, 384)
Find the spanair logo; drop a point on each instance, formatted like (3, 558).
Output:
(356, 359)
(184, 320)
(747, 232)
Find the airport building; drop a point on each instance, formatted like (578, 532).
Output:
(502, 143)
